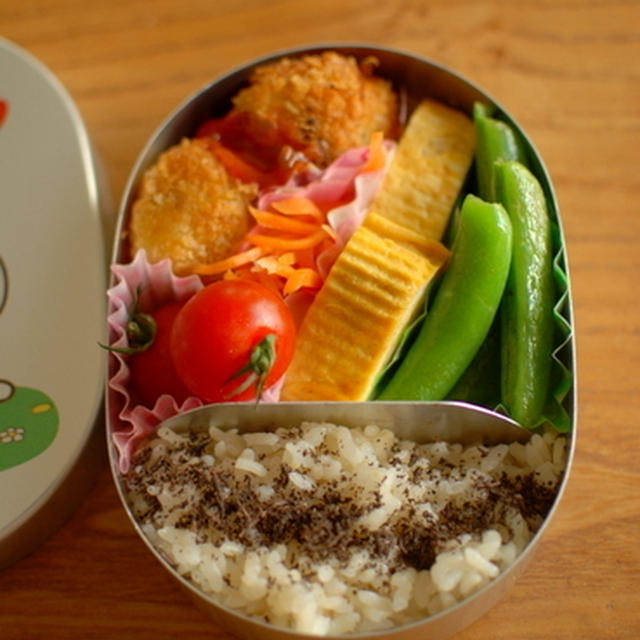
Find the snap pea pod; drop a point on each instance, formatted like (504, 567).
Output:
(495, 140)
(463, 308)
(527, 308)
(480, 383)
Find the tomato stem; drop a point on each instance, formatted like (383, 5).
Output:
(141, 333)
(261, 360)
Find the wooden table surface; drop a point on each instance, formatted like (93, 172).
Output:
(569, 72)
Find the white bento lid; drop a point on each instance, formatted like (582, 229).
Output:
(52, 305)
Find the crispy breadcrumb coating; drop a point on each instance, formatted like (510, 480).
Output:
(321, 104)
(189, 208)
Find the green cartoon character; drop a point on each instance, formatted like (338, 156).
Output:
(28, 424)
(28, 417)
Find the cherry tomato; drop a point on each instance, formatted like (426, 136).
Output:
(231, 340)
(151, 368)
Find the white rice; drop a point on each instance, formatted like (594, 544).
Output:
(326, 530)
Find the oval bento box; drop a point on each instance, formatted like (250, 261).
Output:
(420, 78)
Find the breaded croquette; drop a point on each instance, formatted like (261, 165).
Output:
(189, 208)
(321, 104)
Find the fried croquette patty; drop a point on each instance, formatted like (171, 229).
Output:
(189, 208)
(321, 104)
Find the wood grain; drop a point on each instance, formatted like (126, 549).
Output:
(568, 71)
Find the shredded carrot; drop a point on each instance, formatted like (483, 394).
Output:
(232, 262)
(287, 243)
(298, 207)
(289, 235)
(236, 166)
(377, 153)
(281, 222)
(295, 278)
(302, 278)
(281, 265)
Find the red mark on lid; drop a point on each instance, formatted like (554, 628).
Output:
(4, 111)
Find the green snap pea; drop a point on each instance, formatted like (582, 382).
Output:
(495, 140)
(480, 383)
(527, 308)
(463, 308)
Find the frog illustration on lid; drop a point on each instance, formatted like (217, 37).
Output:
(28, 417)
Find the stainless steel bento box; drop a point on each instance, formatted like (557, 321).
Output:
(420, 78)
